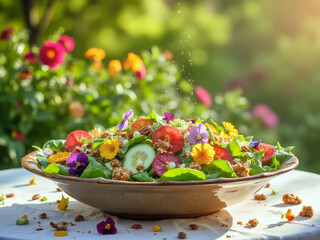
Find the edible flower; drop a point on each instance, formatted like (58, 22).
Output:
(114, 68)
(23, 220)
(67, 42)
(96, 54)
(230, 129)
(142, 73)
(77, 163)
(60, 233)
(255, 144)
(133, 63)
(190, 120)
(168, 116)
(289, 216)
(95, 132)
(212, 128)
(52, 54)
(29, 57)
(203, 96)
(156, 228)
(59, 157)
(125, 120)
(63, 204)
(33, 180)
(198, 134)
(202, 153)
(107, 227)
(2, 199)
(110, 148)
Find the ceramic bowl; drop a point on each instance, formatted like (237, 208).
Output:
(143, 200)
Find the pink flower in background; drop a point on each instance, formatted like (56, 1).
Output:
(18, 136)
(6, 33)
(203, 96)
(69, 82)
(142, 73)
(52, 54)
(67, 42)
(269, 118)
(30, 57)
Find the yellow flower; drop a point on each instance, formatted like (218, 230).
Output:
(63, 204)
(97, 66)
(110, 148)
(33, 180)
(59, 157)
(114, 68)
(133, 63)
(61, 233)
(230, 129)
(202, 153)
(96, 54)
(156, 228)
(213, 129)
(24, 217)
(95, 133)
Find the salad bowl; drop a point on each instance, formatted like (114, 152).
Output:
(159, 200)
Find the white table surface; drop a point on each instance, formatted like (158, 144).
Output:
(268, 212)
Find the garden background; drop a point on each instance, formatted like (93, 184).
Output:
(258, 61)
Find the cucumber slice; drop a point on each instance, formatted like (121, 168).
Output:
(139, 154)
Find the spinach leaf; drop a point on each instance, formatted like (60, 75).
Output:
(235, 148)
(182, 174)
(55, 144)
(54, 168)
(219, 168)
(141, 177)
(95, 170)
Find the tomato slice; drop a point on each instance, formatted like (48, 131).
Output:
(270, 152)
(222, 153)
(73, 139)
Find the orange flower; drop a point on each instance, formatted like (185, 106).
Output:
(289, 215)
(97, 66)
(96, 54)
(133, 63)
(76, 109)
(114, 68)
(202, 153)
(167, 54)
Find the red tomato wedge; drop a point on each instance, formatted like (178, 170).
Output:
(161, 161)
(73, 139)
(270, 152)
(169, 133)
(138, 124)
(222, 153)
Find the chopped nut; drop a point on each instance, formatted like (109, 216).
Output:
(239, 222)
(58, 201)
(162, 146)
(193, 226)
(241, 170)
(58, 190)
(123, 134)
(186, 154)
(290, 198)
(182, 235)
(79, 218)
(36, 197)
(104, 134)
(39, 229)
(136, 226)
(95, 152)
(145, 130)
(228, 236)
(253, 222)
(194, 165)
(43, 215)
(121, 174)
(9, 195)
(260, 197)
(267, 185)
(115, 163)
(306, 211)
(61, 226)
(139, 167)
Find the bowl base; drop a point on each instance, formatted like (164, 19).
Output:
(159, 217)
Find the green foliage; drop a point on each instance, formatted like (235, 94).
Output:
(95, 170)
(219, 168)
(182, 174)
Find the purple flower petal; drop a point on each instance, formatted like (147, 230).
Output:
(82, 158)
(128, 115)
(110, 229)
(198, 134)
(72, 160)
(190, 120)
(255, 144)
(123, 125)
(77, 163)
(168, 116)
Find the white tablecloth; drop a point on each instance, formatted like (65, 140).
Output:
(268, 213)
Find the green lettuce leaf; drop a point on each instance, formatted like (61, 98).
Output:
(55, 144)
(54, 168)
(95, 170)
(235, 148)
(182, 174)
(219, 168)
(141, 177)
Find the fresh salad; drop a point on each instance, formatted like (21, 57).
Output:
(160, 148)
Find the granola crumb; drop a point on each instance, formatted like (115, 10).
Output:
(239, 222)
(290, 198)
(39, 229)
(253, 222)
(162, 146)
(139, 167)
(9, 195)
(306, 211)
(136, 226)
(95, 152)
(279, 224)
(312, 225)
(61, 226)
(115, 163)
(58, 201)
(260, 197)
(121, 174)
(79, 218)
(228, 236)
(193, 226)
(36, 197)
(224, 225)
(182, 235)
(43, 215)
(59, 190)
(267, 185)
(241, 170)
(195, 166)
(89, 231)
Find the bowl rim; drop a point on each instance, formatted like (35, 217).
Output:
(29, 162)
